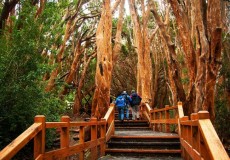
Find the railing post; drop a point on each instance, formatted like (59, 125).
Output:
(180, 110)
(180, 115)
(94, 137)
(195, 133)
(161, 124)
(103, 134)
(39, 139)
(155, 124)
(65, 132)
(183, 136)
(167, 126)
(81, 141)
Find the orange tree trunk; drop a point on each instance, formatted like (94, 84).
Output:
(142, 45)
(104, 63)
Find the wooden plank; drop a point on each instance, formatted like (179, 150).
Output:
(143, 150)
(94, 137)
(167, 121)
(212, 141)
(180, 110)
(145, 137)
(39, 139)
(83, 123)
(81, 141)
(189, 123)
(192, 152)
(147, 115)
(163, 109)
(10, 150)
(148, 107)
(65, 137)
(103, 134)
(56, 124)
(109, 131)
(167, 126)
(109, 113)
(68, 151)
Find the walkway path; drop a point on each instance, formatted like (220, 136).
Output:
(141, 133)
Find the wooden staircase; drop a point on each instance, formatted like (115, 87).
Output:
(135, 138)
(130, 140)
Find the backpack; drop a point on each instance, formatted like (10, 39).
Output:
(136, 100)
(120, 101)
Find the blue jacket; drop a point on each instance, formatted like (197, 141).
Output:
(123, 100)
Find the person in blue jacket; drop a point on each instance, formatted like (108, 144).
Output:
(122, 102)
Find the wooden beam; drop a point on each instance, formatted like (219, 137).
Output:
(10, 150)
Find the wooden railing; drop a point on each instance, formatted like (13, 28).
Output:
(161, 119)
(199, 140)
(37, 132)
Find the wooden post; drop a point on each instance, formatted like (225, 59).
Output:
(154, 118)
(103, 134)
(180, 110)
(160, 117)
(183, 135)
(39, 139)
(203, 115)
(180, 115)
(195, 133)
(167, 126)
(93, 137)
(65, 132)
(81, 141)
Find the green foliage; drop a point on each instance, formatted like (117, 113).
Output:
(185, 80)
(221, 100)
(21, 70)
(222, 119)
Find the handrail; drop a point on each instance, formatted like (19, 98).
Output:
(10, 150)
(109, 118)
(37, 131)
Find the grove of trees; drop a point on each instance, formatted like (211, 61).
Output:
(54, 53)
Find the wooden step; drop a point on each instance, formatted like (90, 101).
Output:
(144, 152)
(131, 123)
(143, 145)
(139, 145)
(132, 128)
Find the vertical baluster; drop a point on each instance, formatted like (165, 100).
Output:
(183, 136)
(81, 141)
(167, 126)
(160, 117)
(151, 118)
(195, 133)
(94, 137)
(65, 132)
(103, 133)
(39, 139)
(155, 118)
